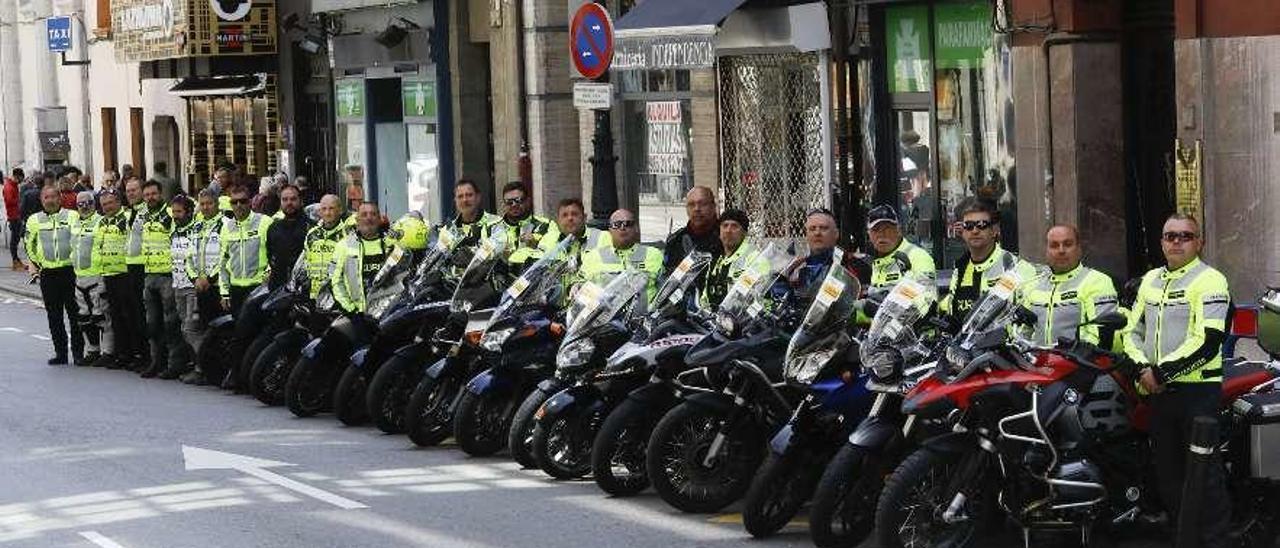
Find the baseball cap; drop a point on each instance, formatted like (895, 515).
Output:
(883, 213)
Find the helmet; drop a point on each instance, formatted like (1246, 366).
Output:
(411, 232)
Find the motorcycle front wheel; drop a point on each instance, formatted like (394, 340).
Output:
(348, 397)
(677, 462)
(389, 393)
(308, 390)
(429, 415)
(520, 437)
(617, 454)
(271, 371)
(910, 513)
(783, 484)
(483, 422)
(213, 353)
(562, 447)
(844, 505)
(252, 352)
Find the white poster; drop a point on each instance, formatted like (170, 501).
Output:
(668, 149)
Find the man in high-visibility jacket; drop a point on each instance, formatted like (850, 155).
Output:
(623, 252)
(894, 257)
(164, 328)
(244, 252)
(472, 220)
(357, 259)
(984, 264)
(184, 245)
(91, 299)
(730, 262)
(571, 222)
(110, 241)
(204, 266)
(1175, 335)
(1072, 295)
(48, 239)
(321, 241)
(523, 229)
(134, 257)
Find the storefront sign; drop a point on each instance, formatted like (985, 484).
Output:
(54, 141)
(664, 52)
(349, 98)
(592, 96)
(667, 149)
(146, 30)
(1189, 196)
(418, 99)
(963, 34)
(58, 31)
(908, 49)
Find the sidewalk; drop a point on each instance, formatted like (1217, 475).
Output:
(15, 282)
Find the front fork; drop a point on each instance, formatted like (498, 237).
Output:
(735, 390)
(972, 472)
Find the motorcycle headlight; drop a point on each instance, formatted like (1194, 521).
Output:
(725, 323)
(379, 306)
(492, 341)
(575, 353)
(957, 357)
(804, 369)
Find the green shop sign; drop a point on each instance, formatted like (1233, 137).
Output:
(960, 37)
(907, 31)
(348, 95)
(419, 100)
(963, 34)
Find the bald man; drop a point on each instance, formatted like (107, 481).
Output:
(321, 240)
(701, 233)
(623, 252)
(1072, 295)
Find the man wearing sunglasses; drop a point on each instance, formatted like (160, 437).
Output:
(894, 257)
(523, 229)
(985, 262)
(622, 252)
(90, 295)
(243, 243)
(1175, 336)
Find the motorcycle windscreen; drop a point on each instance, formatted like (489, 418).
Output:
(745, 299)
(299, 279)
(993, 311)
(444, 241)
(593, 308)
(674, 292)
(475, 278)
(538, 283)
(812, 346)
(892, 334)
(389, 283)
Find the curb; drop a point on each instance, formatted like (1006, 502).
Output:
(33, 293)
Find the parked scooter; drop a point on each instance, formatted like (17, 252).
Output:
(224, 347)
(307, 320)
(823, 371)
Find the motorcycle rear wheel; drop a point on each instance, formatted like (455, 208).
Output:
(781, 486)
(389, 392)
(909, 513)
(213, 353)
(844, 504)
(617, 454)
(678, 447)
(348, 397)
(427, 417)
(271, 371)
(520, 437)
(483, 422)
(244, 368)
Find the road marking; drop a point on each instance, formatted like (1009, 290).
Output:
(10, 330)
(40, 337)
(196, 458)
(97, 538)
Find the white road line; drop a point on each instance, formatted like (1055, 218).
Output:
(11, 329)
(97, 538)
(40, 337)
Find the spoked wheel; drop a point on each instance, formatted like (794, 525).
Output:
(562, 447)
(913, 511)
(682, 468)
(271, 371)
(348, 397)
(429, 415)
(844, 504)
(617, 455)
(783, 484)
(307, 391)
(389, 393)
(483, 422)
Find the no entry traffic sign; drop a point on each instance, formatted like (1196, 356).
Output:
(591, 40)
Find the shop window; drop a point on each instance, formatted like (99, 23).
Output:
(657, 147)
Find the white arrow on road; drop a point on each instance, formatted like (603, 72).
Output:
(206, 459)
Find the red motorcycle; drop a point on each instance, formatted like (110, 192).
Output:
(1055, 438)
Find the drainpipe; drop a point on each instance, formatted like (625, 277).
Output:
(1057, 39)
(524, 164)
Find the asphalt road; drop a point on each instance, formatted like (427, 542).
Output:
(92, 457)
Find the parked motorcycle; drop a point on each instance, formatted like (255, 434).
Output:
(307, 319)
(899, 349)
(311, 383)
(368, 389)
(564, 423)
(519, 346)
(225, 344)
(1054, 436)
(703, 452)
(822, 370)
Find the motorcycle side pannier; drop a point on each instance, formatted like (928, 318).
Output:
(1269, 323)
(1262, 413)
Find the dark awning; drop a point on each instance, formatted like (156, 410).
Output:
(677, 15)
(204, 86)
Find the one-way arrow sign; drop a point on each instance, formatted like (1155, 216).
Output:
(196, 458)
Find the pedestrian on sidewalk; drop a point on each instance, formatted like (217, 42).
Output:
(49, 248)
(13, 212)
(91, 298)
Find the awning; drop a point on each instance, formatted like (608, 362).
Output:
(205, 86)
(673, 17)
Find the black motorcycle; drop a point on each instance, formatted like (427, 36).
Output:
(225, 344)
(307, 319)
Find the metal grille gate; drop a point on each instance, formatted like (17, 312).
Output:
(771, 139)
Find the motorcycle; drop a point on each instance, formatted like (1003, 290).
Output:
(311, 383)
(519, 345)
(703, 452)
(225, 345)
(1053, 436)
(307, 319)
(370, 389)
(823, 364)
(565, 423)
(898, 350)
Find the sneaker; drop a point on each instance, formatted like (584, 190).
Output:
(111, 362)
(194, 378)
(91, 358)
(60, 359)
(78, 361)
(171, 374)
